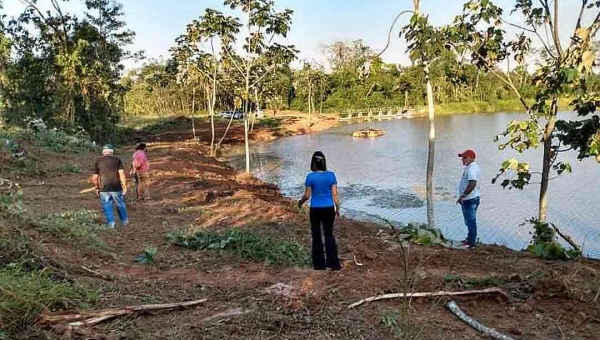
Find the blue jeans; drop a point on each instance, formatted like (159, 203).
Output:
(107, 198)
(469, 210)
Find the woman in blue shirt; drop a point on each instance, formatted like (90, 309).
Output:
(321, 188)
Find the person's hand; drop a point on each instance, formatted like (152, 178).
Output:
(337, 212)
(124, 192)
(460, 200)
(300, 203)
(98, 192)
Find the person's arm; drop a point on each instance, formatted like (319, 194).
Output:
(123, 179)
(96, 179)
(336, 199)
(96, 183)
(305, 197)
(135, 164)
(470, 187)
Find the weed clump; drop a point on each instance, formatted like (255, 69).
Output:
(245, 244)
(24, 295)
(74, 225)
(148, 257)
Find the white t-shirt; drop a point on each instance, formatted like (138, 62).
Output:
(472, 173)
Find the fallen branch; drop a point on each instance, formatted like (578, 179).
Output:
(567, 238)
(96, 273)
(93, 318)
(453, 307)
(429, 294)
(358, 263)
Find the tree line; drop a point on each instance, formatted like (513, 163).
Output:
(353, 77)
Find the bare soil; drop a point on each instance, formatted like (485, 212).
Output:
(249, 300)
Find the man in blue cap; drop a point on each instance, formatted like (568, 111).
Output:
(111, 185)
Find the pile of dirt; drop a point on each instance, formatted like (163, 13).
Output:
(253, 300)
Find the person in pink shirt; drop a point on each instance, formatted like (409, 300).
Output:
(140, 169)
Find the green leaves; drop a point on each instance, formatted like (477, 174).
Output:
(520, 172)
(561, 167)
(148, 257)
(521, 135)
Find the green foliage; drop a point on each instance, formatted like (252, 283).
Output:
(390, 320)
(148, 256)
(421, 234)
(560, 72)
(11, 199)
(80, 226)
(71, 168)
(54, 140)
(66, 69)
(245, 244)
(24, 295)
(545, 246)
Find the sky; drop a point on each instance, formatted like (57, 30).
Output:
(158, 23)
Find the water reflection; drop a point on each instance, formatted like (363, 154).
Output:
(385, 176)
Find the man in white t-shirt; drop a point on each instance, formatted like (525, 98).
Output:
(469, 195)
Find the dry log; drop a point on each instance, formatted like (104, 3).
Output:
(453, 307)
(93, 318)
(429, 294)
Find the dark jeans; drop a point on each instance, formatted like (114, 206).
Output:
(325, 217)
(469, 210)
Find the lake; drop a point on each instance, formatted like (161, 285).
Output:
(385, 177)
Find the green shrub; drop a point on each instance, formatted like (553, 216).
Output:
(245, 244)
(545, 246)
(74, 225)
(24, 295)
(48, 139)
(148, 256)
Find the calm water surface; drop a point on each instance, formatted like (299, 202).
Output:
(385, 177)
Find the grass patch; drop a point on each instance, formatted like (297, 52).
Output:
(79, 226)
(472, 282)
(247, 245)
(269, 123)
(74, 169)
(24, 295)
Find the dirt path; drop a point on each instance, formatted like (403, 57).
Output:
(249, 300)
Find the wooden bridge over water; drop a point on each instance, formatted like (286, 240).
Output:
(383, 113)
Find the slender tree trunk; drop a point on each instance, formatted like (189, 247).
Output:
(406, 99)
(193, 100)
(309, 102)
(430, 152)
(547, 161)
(246, 141)
(322, 90)
(213, 100)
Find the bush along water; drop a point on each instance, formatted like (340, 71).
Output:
(544, 244)
(245, 244)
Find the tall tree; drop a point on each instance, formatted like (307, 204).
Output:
(200, 65)
(425, 45)
(263, 24)
(561, 72)
(66, 69)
